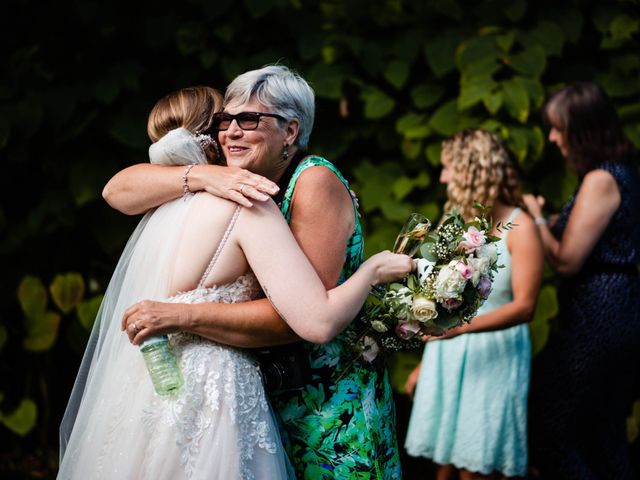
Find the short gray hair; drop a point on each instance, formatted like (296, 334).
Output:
(282, 91)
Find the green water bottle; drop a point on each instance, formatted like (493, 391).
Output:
(162, 365)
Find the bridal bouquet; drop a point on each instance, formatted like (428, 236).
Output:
(456, 264)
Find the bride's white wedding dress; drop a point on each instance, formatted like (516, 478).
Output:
(219, 426)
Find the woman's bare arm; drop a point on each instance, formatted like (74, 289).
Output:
(141, 187)
(322, 220)
(596, 202)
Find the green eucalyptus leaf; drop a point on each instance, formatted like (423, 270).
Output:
(23, 419)
(67, 290)
(427, 250)
(427, 95)
(42, 332)
(88, 310)
(397, 73)
(32, 296)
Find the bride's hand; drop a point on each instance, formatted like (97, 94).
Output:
(389, 267)
(149, 318)
(233, 183)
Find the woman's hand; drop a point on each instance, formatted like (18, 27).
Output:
(149, 318)
(233, 183)
(534, 204)
(389, 267)
(412, 381)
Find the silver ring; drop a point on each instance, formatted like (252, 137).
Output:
(241, 187)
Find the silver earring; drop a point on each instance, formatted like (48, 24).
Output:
(285, 152)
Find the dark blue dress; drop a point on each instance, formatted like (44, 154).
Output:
(583, 381)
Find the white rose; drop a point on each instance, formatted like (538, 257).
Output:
(481, 267)
(449, 283)
(489, 252)
(379, 326)
(424, 268)
(423, 309)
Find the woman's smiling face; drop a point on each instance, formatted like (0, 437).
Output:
(259, 150)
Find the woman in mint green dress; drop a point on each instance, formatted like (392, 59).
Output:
(470, 403)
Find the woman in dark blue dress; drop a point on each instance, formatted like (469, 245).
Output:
(582, 382)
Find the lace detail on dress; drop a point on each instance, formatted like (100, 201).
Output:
(221, 384)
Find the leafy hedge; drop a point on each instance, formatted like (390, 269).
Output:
(392, 79)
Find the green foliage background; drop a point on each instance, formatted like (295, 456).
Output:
(393, 78)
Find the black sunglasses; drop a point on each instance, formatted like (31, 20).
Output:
(245, 120)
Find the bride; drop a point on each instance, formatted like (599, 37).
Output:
(199, 248)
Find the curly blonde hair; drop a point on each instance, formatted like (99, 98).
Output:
(482, 172)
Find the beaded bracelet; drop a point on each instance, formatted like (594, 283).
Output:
(185, 180)
(540, 221)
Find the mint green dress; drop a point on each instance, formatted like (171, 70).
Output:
(341, 429)
(470, 403)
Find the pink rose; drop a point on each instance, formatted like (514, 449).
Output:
(473, 238)
(451, 303)
(465, 270)
(405, 330)
(484, 287)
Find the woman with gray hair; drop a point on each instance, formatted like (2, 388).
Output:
(338, 421)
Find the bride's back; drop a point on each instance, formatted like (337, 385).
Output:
(209, 220)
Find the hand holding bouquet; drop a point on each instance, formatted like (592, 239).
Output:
(454, 274)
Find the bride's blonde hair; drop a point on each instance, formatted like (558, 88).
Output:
(482, 171)
(191, 108)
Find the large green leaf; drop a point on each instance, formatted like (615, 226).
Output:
(32, 296)
(4, 335)
(23, 419)
(427, 94)
(440, 52)
(448, 119)
(42, 332)
(88, 310)
(377, 104)
(397, 73)
(546, 309)
(413, 126)
(550, 36)
(472, 92)
(67, 291)
(479, 53)
(516, 100)
(493, 101)
(326, 80)
(531, 62)
(404, 185)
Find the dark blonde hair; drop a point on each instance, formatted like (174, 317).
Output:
(482, 172)
(191, 108)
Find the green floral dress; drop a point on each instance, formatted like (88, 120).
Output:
(342, 429)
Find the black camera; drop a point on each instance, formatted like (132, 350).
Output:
(284, 368)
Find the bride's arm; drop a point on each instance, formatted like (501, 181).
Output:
(293, 286)
(141, 187)
(322, 221)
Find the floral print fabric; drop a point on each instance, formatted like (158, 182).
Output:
(342, 424)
